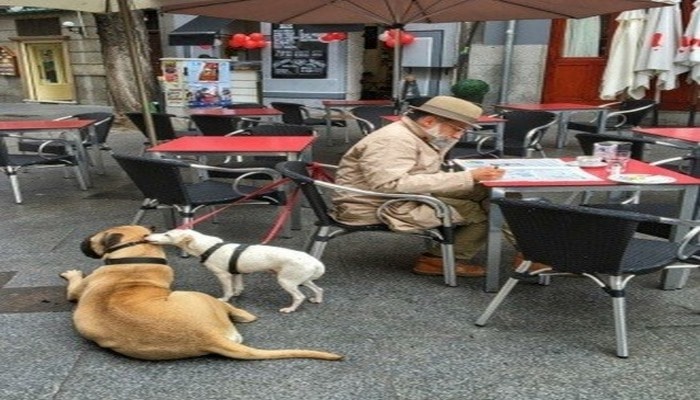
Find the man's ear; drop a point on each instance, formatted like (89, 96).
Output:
(427, 121)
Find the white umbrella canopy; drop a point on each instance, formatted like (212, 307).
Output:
(662, 36)
(619, 71)
(688, 53)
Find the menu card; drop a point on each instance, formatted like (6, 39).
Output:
(530, 169)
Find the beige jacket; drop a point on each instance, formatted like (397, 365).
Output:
(395, 159)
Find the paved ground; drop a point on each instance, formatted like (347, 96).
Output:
(404, 336)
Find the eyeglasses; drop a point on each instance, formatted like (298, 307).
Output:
(454, 126)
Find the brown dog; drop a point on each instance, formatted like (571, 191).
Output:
(127, 306)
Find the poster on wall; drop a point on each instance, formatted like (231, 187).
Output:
(297, 55)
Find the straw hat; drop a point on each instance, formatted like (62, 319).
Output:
(452, 108)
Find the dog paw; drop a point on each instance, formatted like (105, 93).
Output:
(73, 273)
(287, 310)
(315, 300)
(224, 299)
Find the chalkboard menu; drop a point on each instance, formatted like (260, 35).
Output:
(8, 62)
(297, 54)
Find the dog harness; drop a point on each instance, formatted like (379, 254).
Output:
(232, 262)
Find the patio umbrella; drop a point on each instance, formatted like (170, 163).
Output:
(398, 13)
(688, 55)
(107, 6)
(656, 57)
(619, 71)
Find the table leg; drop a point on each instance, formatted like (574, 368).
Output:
(494, 244)
(81, 155)
(562, 129)
(500, 132)
(329, 131)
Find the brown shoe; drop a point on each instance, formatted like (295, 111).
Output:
(427, 265)
(533, 266)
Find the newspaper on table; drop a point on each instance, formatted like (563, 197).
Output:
(530, 169)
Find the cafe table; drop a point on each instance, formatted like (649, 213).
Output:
(328, 105)
(563, 111)
(72, 128)
(593, 180)
(291, 147)
(681, 135)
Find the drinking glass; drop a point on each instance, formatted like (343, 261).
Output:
(617, 163)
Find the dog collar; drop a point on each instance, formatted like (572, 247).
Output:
(124, 245)
(232, 262)
(136, 260)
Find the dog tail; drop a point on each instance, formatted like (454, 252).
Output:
(243, 352)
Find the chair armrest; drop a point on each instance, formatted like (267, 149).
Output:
(690, 247)
(442, 210)
(246, 172)
(533, 137)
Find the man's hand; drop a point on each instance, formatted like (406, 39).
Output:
(487, 174)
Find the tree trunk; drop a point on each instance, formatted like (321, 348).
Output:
(121, 87)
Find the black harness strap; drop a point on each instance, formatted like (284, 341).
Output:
(232, 262)
(208, 252)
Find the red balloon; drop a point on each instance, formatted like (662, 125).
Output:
(326, 37)
(407, 39)
(392, 32)
(250, 44)
(261, 44)
(390, 42)
(239, 37)
(257, 36)
(339, 35)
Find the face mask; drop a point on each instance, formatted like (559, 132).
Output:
(437, 140)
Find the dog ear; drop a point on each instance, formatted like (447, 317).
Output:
(86, 248)
(111, 240)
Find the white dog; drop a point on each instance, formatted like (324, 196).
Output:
(229, 260)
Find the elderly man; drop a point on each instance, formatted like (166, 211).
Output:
(406, 157)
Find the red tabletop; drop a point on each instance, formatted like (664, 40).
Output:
(354, 103)
(690, 134)
(633, 167)
(41, 125)
(235, 144)
(237, 112)
(548, 106)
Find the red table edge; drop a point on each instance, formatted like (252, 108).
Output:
(634, 167)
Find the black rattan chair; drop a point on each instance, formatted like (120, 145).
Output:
(164, 128)
(11, 163)
(369, 118)
(98, 143)
(215, 125)
(629, 113)
(522, 134)
(327, 228)
(594, 243)
(162, 184)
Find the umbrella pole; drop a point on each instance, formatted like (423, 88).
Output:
(127, 17)
(396, 89)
